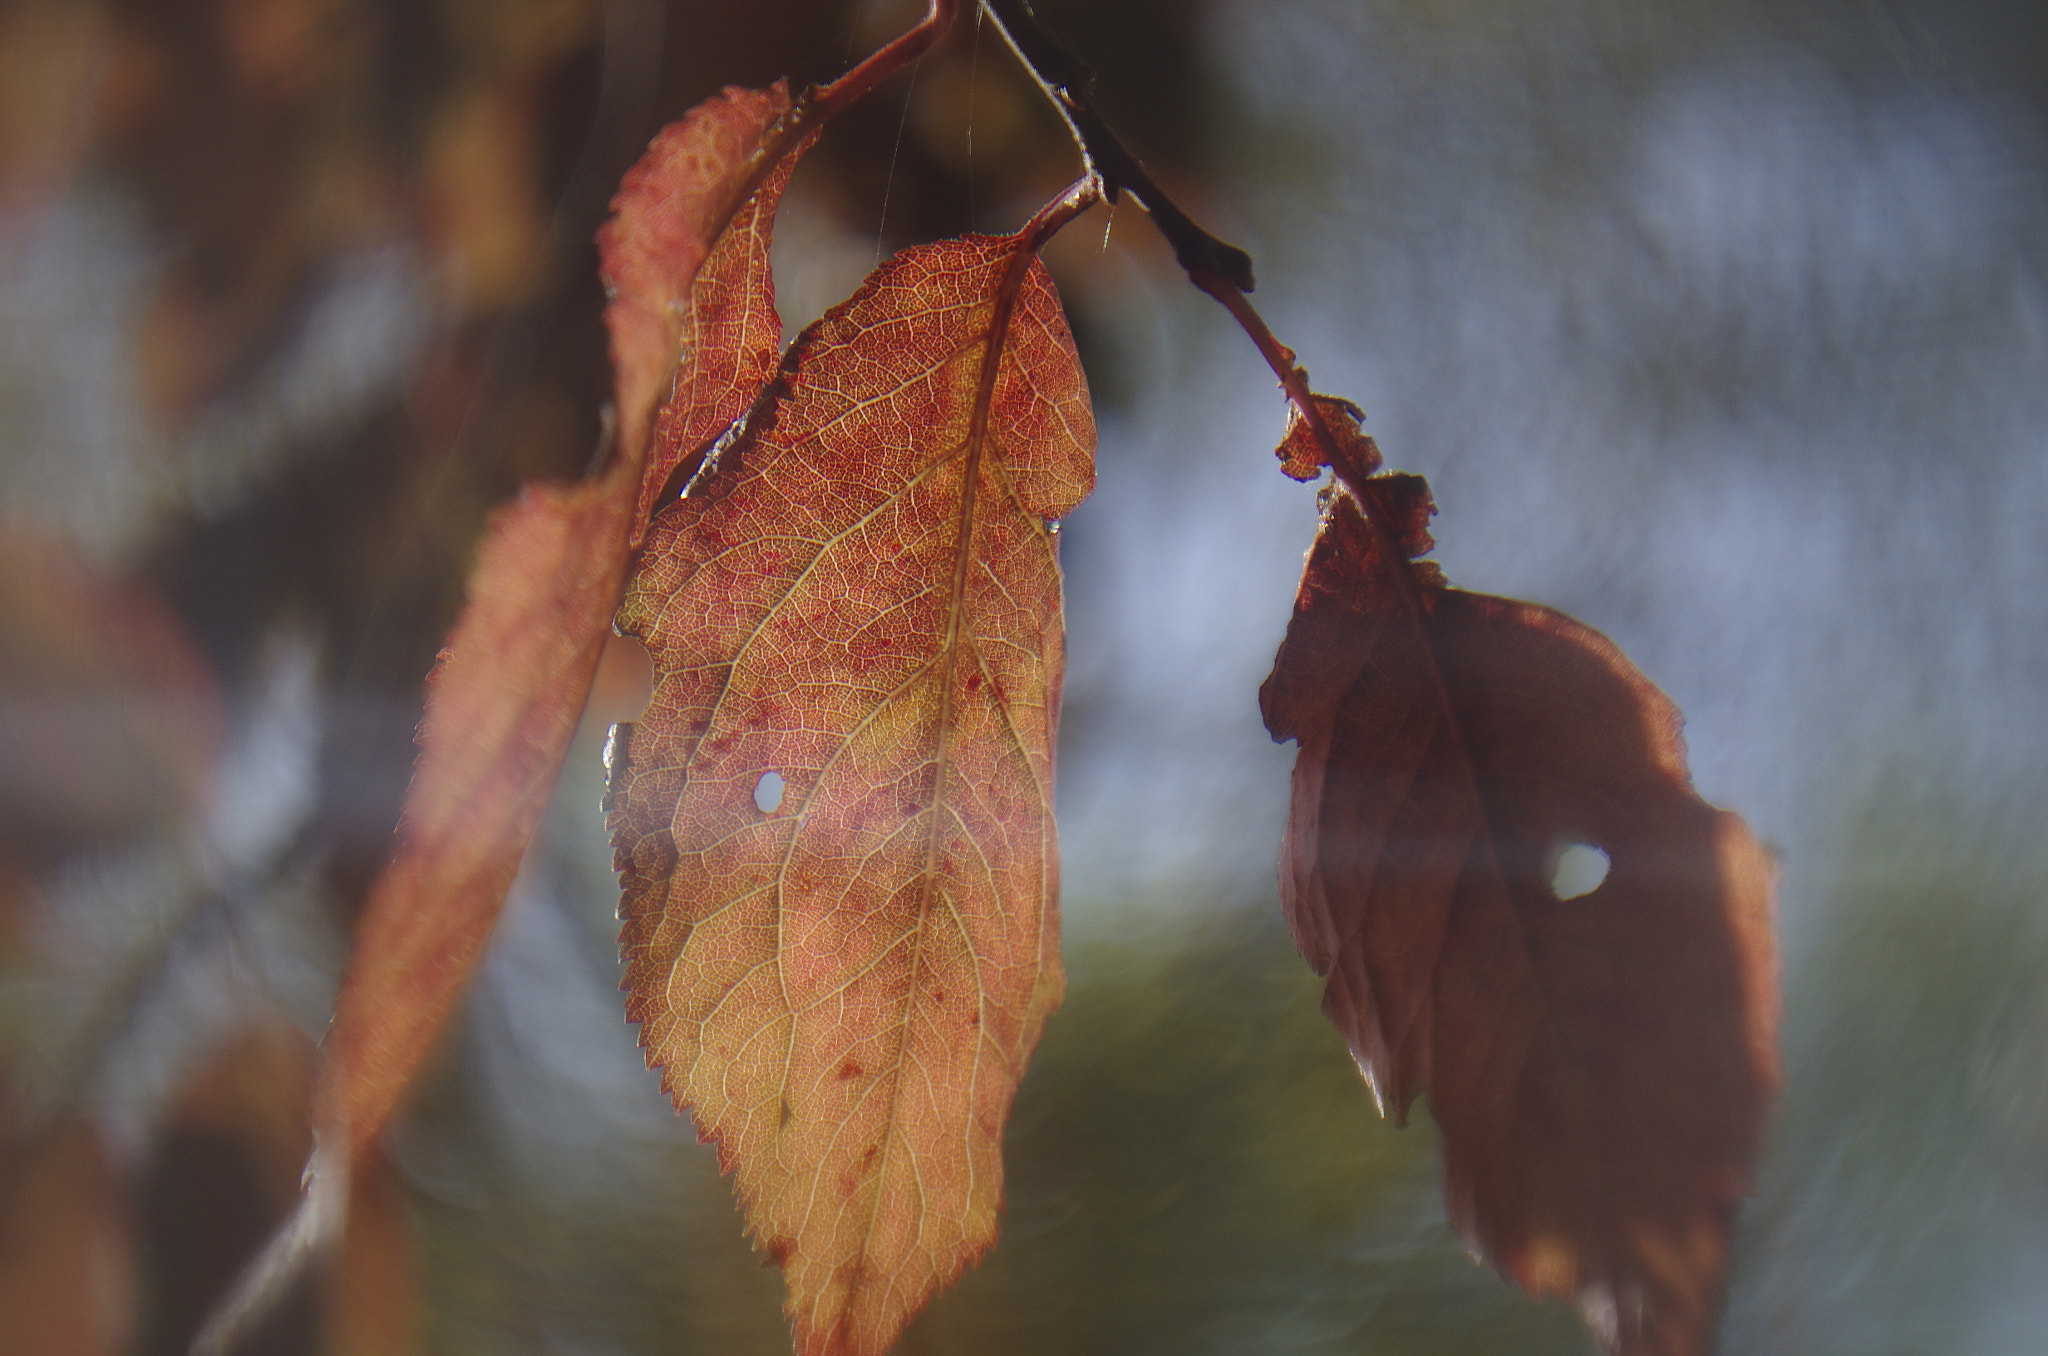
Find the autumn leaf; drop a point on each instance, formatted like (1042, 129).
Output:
(1301, 458)
(1597, 1065)
(834, 825)
(692, 314)
(501, 707)
(504, 700)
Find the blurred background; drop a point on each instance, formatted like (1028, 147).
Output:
(1723, 327)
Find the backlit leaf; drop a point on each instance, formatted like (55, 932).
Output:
(512, 681)
(671, 214)
(834, 824)
(505, 698)
(1597, 1065)
(501, 707)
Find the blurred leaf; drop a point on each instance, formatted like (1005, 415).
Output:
(66, 1264)
(501, 707)
(109, 719)
(512, 682)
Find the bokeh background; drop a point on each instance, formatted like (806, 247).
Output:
(1723, 327)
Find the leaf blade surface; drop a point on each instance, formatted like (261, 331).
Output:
(1598, 1067)
(505, 697)
(691, 308)
(863, 600)
(506, 694)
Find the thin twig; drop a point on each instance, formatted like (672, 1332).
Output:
(1070, 84)
(1222, 270)
(1225, 273)
(821, 102)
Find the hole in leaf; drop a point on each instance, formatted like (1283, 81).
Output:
(768, 793)
(1580, 869)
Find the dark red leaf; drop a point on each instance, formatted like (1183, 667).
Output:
(1303, 459)
(1598, 1066)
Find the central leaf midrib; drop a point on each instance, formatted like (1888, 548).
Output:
(993, 341)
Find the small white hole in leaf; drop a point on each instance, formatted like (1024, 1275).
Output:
(768, 793)
(1580, 869)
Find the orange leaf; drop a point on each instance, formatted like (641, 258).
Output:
(1597, 1065)
(671, 214)
(835, 822)
(501, 707)
(730, 339)
(512, 681)
(505, 698)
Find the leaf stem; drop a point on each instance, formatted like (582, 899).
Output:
(820, 102)
(1294, 381)
(1225, 273)
(1222, 270)
(1084, 193)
